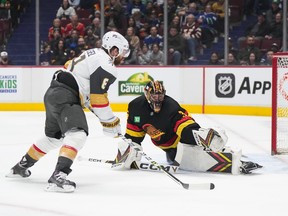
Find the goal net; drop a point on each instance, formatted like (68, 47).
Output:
(280, 104)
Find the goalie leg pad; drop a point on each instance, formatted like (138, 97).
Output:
(126, 155)
(194, 158)
(210, 139)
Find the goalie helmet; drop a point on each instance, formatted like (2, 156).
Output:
(114, 39)
(155, 92)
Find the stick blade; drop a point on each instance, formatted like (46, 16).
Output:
(203, 186)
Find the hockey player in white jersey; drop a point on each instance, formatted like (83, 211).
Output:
(184, 141)
(85, 83)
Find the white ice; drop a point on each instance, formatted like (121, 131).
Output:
(102, 191)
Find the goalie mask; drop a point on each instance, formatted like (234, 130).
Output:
(155, 92)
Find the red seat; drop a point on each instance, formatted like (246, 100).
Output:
(83, 13)
(267, 44)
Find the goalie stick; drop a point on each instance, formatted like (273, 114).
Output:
(203, 186)
(139, 165)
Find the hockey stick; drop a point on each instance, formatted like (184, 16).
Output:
(140, 165)
(203, 186)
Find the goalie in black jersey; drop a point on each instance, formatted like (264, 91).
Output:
(171, 128)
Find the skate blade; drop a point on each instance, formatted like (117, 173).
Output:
(51, 187)
(13, 175)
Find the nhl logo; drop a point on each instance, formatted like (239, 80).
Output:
(225, 85)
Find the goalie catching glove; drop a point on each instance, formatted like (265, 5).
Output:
(112, 128)
(210, 139)
(126, 155)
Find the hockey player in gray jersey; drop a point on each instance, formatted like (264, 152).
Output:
(85, 83)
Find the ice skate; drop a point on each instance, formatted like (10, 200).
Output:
(19, 171)
(248, 166)
(58, 183)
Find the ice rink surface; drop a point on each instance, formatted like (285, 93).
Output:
(104, 192)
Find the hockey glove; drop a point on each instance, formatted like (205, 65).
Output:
(113, 128)
(210, 139)
(126, 155)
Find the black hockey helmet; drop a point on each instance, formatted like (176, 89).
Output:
(155, 92)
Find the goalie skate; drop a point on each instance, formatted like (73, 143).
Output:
(58, 183)
(18, 171)
(248, 166)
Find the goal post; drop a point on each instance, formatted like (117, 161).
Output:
(279, 124)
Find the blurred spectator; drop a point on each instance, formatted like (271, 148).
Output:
(231, 60)
(75, 25)
(96, 27)
(267, 59)
(153, 38)
(90, 38)
(276, 30)
(5, 9)
(132, 23)
(208, 24)
(171, 8)
(115, 17)
(192, 9)
(56, 37)
(231, 49)
(176, 23)
(144, 55)
(201, 5)
(135, 6)
(176, 45)
(81, 46)
(56, 27)
(181, 11)
(275, 48)
(98, 43)
(72, 41)
(274, 9)
(153, 19)
(258, 29)
(4, 59)
(214, 59)
(134, 45)
(219, 10)
(244, 53)
(65, 11)
(60, 55)
(252, 59)
(191, 32)
(46, 56)
(157, 56)
(74, 3)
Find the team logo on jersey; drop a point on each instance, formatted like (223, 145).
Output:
(137, 119)
(153, 132)
(225, 85)
(135, 84)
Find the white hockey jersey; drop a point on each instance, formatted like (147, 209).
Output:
(94, 72)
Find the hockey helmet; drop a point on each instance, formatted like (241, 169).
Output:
(115, 39)
(155, 92)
